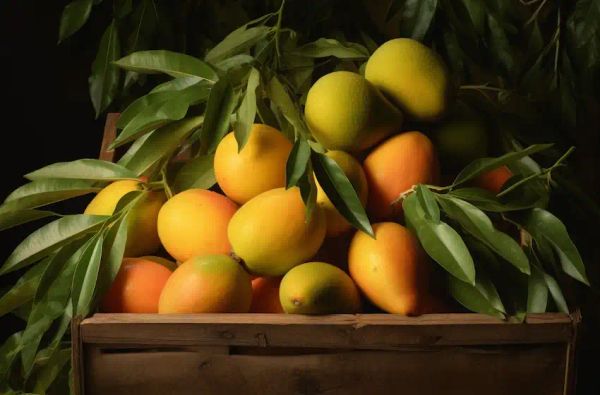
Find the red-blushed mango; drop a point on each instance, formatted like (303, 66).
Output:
(493, 180)
(394, 167)
(194, 223)
(392, 270)
(318, 288)
(137, 287)
(142, 235)
(271, 233)
(207, 284)
(257, 168)
(265, 295)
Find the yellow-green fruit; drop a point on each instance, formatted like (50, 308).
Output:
(142, 236)
(336, 223)
(318, 288)
(412, 76)
(345, 112)
(257, 168)
(271, 234)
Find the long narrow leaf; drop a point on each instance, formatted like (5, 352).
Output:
(161, 143)
(247, 110)
(74, 16)
(10, 219)
(85, 276)
(219, 107)
(104, 80)
(341, 192)
(51, 236)
(83, 169)
(167, 62)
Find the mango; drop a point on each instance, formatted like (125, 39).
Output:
(318, 288)
(345, 112)
(257, 168)
(271, 234)
(394, 167)
(207, 284)
(142, 235)
(194, 223)
(412, 76)
(391, 270)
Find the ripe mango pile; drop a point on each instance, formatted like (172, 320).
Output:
(249, 245)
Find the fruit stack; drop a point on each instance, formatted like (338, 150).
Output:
(250, 246)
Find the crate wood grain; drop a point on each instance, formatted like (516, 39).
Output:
(336, 354)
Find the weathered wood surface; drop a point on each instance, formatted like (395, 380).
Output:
(369, 331)
(495, 370)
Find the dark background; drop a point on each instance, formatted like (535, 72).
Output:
(47, 117)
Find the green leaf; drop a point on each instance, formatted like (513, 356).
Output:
(442, 243)
(537, 291)
(486, 200)
(483, 165)
(556, 293)
(247, 111)
(10, 219)
(113, 250)
(74, 16)
(176, 84)
(280, 97)
(83, 169)
(475, 222)
(198, 172)
(167, 62)
(219, 107)
(104, 80)
(45, 191)
(234, 62)
(415, 17)
(297, 162)
(544, 226)
(24, 289)
(325, 47)
(84, 279)
(161, 143)
(49, 237)
(159, 95)
(238, 41)
(132, 150)
(481, 298)
(8, 352)
(50, 371)
(50, 301)
(173, 108)
(428, 203)
(500, 46)
(341, 192)
(308, 191)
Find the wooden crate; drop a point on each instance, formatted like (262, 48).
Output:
(336, 354)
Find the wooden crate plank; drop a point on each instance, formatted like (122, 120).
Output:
(374, 331)
(516, 370)
(118, 371)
